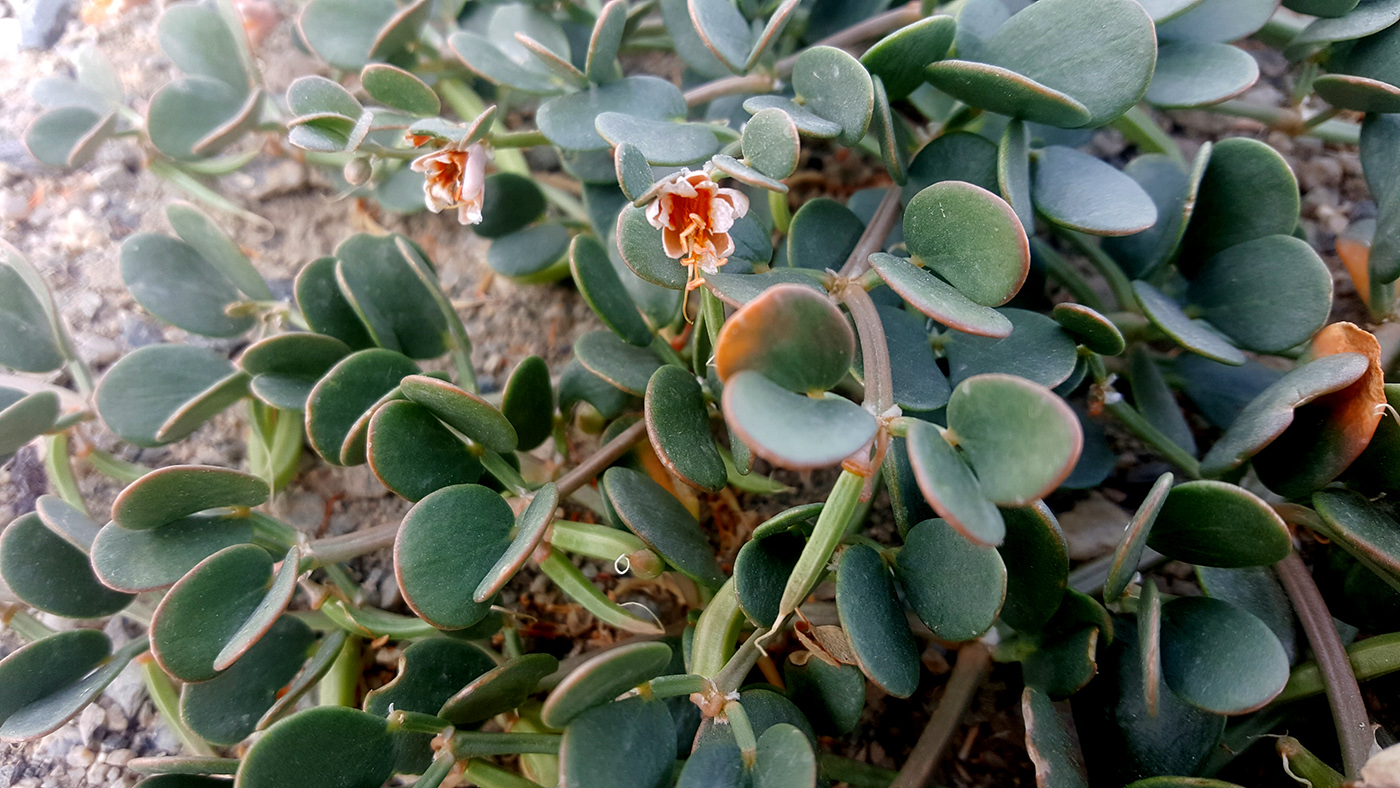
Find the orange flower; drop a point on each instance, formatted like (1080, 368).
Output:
(456, 179)
(695, 215)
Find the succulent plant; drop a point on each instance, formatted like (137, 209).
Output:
(907, 334)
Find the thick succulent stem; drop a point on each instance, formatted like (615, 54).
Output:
(968, 674)
(1343, 693)
(606, 455)
(473, 744)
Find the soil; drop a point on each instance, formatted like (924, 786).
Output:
(70, 225)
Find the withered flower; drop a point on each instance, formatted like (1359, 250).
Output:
(695, 215)
(456, 179)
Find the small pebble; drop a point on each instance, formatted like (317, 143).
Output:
(119, 757)
(81, 756)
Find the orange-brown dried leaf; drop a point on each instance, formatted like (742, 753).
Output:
(1358, 408)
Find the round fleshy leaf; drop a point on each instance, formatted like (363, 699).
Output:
(527, 402)
(169, 494)
(279, 594)
(481, 55)
(1019, 438)
(892, 137)
(642, 728)
(1197, 74)
(601, 287)
(723, 30)
(634, 173)
(601, 62)
(206, 608)
(761, 573)
(835, 86)
(569, 121)
(663, 143)
(1257, 591)
(770, 143)
(68, 136)
(67, 521)
(530, 528)
(577, 384)
(950, 486)
(25, 417)
(663, 522)
(937, 298)
(1118, 733)
(46, 572)
(1271, 412)
(1218, 524)
(339, 406)
(832, 697)
(1369, 72)
(136, 561)
(641, 248)
(498, 690)
(430, 672)
(197, 229)
(874, 620)
(1004, 91)
(1013, 173)
(532, 255)
(509, 203)
(350, 33)
(199, 41)
(161, 385)
(1220, 658)
(1041, 352)
(717, 764)
(1173, 190)
(625, 366)
(1195, 335)
(918, 383)
(1078, 191)
(954, 586)
(1218, 20)
(413, 454)
(322, 747)
(602, 678)
(1268, 295)
(225, 710)
(1049, 743)
(286, 367)
(393, 87)
(679, 426)
(47, 682)
(970, 237)
(955, 156)
(1134, 540)
(1063, 663)
(194, 117)
(28, 339)
(792, 430)
(1092, 329)
(899, 58)
(1362, 529)
(808, 123)
(1037, 560)
(447, 544)
(1247, 192)
(785, 759)
(465, 412)
(325, 308)
(384, 289)
(1370, 17)
(319, 96)
(739, 289)
(791, 334)
(823, 234)
(175, 283)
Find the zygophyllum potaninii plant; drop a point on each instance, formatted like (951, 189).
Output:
(906, 335)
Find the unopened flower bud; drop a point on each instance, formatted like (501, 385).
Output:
(357, 171)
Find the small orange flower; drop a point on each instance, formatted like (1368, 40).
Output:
(456, 179)
(695, 215)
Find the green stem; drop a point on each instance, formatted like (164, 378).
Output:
(1322, 117)
(857, 774)
(1059, 269)
(1138, 127)
(505, 473)
(27, 626)
(667, 353)
(715, 632)
(1287, 121)
(341, 682)
(713, 309)
(338, 549)
(59, 468)
(605, 456)
(1303, 764)
(675, 686)
(743, 731)
(1369, 659)
(167, 702)
(486, 775)
(417, 722)
(569, 204)
(271, 531)
(475, 744)
(580, 589)
(826, 535)
(1107, 267)
(782, 215)
(518, 139)
(596, 541)
(191, 186)
(437, 771)
(1141, 427)
(114, 467)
